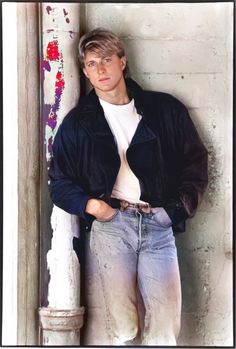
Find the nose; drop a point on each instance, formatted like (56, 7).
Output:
(100, 68)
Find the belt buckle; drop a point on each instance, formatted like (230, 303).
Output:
(146, 208)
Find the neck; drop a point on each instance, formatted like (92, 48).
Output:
(115, 99)
(118, 96)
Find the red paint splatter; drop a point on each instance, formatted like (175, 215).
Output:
(59, 80)
(48, 9)
(52, 51)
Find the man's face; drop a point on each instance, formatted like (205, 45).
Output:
(104, 73)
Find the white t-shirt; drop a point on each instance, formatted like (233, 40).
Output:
(123, 121)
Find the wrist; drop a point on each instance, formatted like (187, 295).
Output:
(93, 206)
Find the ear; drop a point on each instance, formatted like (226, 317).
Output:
(123, 62)
(85, 73)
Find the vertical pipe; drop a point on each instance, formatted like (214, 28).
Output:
(61, 320)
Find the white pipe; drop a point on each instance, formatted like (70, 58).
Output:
(60, 32)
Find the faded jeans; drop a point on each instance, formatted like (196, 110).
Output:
(132, 255)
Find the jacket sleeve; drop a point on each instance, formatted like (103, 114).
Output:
(193, 178)
(65, 191)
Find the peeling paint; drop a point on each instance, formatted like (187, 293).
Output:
(53, 54)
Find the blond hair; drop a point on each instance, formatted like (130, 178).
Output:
(101, 41)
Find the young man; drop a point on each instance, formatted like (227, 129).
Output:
(130, 163)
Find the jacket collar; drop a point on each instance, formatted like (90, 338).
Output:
(91, 115)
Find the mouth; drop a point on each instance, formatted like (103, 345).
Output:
(104, 79)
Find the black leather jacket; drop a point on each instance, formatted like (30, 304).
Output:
(166, 154)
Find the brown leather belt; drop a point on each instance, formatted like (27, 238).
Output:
(144, 207)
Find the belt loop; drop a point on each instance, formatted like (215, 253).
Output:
(147, 209)
(123, 205)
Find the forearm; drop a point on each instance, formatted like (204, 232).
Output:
(99, 209)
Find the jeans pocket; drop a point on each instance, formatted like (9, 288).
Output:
(160, 216)
(110, 219)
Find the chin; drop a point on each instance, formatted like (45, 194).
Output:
(106, 88)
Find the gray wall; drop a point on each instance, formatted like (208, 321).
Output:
(186, 50)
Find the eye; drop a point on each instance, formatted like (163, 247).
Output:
(107, 60)
(91, 64)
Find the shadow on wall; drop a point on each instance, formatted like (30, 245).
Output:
(194, 271)
(195, 249)
(198, 248)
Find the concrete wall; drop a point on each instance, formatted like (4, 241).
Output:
(186, 50)
(28, 173)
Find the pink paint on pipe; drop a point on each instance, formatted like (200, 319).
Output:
(48, 9)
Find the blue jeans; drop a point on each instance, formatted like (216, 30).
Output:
(132, 254)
